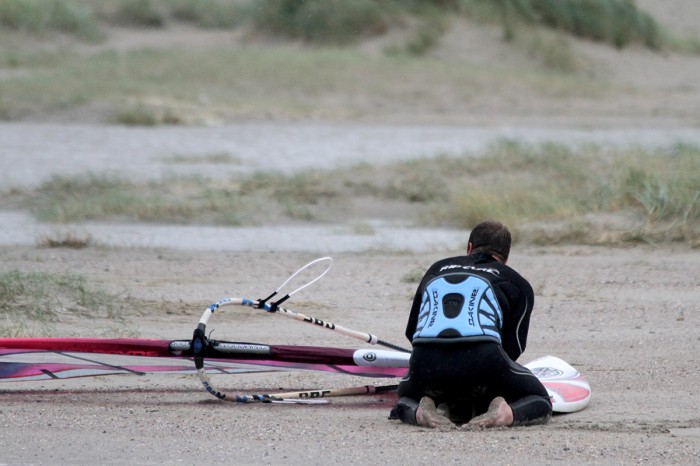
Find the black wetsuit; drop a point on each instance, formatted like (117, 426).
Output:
(467, 359)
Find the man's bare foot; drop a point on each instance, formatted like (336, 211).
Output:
(427, 414)
(499, 414)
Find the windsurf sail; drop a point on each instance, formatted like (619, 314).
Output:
(60, 358)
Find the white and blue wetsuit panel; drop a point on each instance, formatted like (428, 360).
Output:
(459, 307)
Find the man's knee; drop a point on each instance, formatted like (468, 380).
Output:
(531, 410)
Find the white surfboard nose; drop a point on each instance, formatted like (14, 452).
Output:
(567, 387)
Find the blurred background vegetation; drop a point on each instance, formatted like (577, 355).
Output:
(52, 60)
(547, 193)
(617, 22)
(299, 58)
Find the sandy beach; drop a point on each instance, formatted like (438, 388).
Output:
(626, 317)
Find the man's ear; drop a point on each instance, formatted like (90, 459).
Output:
(470, 248)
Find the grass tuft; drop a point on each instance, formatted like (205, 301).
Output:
(664, 194)
(553, 184)
(139, 13)
(68, 240)
(44, 16)
(31, 302)
(615, 22)
(94, 197)
(214, 157)
(328, 21)
(211, 14)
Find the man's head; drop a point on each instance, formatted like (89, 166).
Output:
(492, 238)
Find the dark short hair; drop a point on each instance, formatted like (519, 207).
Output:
(491, 237)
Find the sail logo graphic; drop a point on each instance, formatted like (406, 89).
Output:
(369, 357)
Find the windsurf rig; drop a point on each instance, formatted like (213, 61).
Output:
(201, 344)
(27, 359)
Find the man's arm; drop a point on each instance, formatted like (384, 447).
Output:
(516, 322)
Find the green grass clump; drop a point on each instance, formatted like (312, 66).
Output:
(214, 157)
(93, 197)
(295, 195)
(31, 302)
(137, 115)
(211, 14)
(666, 188)
(68, 240)
(140, 13)
(522, 185)
(616, 22)
(519, 182)
(44, 16)
(336, 21)
(140, 114)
